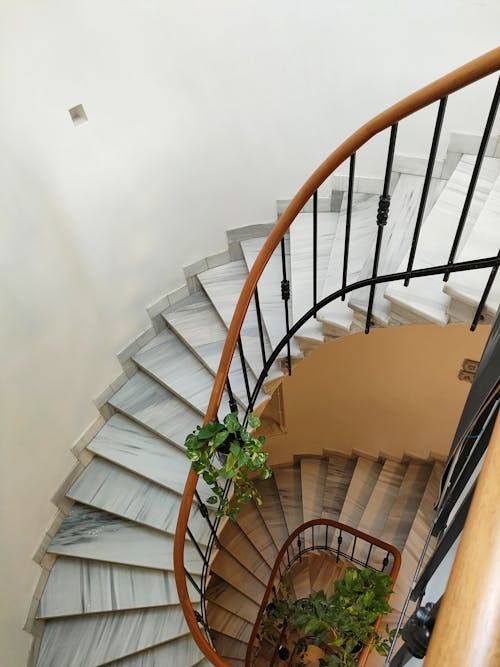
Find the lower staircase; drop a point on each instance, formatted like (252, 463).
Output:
(107, 594)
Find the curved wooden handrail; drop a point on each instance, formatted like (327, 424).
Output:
(281, 554)
(476, 69)
(467, 629)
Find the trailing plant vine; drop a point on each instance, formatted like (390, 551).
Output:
(239, 455)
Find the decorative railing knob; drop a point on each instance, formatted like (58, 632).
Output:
(383, 210)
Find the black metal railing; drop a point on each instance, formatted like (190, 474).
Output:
(282, 351)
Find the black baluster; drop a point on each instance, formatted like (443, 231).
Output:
(206, 515)
(193, 581)
(339, 543)
(261, 328)
(198, 549)
(369, 554)
(245, 373)
(425, 190)
(313, 537)
(299, 544)
(326, 536)
(474, 177)
(232, 403)
(382, 215)
(353, 547)
(285, 295)
(486, 292)
(352, 166)
(385, 562)
(315, 250)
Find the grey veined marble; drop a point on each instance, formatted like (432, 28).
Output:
(96, 640)
(181, 652)
(90, 533)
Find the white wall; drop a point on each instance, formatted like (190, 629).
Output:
(201, 114)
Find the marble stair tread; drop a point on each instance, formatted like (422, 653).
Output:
(404, 508)
(312, 479)
(269, 286)
(337, 316)
(223, 621)
(170, 362)
(301, 254)
(231, 599)
(198, 325)
(423, 300)
(77, 586)
(229, 568)
(129, 445)
(396, 241)
(90, 533)
(484, 241)
(338, 478)
(180, 651)
(234, 540)
(147, 402)
(250, 521)
(271, 510)
(362, 483)
(228, 647)
(417, 536)
(99, 639)
(223, 285)
(326, 571)
(289, 487)
(111, 488)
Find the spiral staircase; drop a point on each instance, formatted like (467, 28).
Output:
(107, 595)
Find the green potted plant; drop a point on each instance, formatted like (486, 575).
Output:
(227, 451)
(340, 625)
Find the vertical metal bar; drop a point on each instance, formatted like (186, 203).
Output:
(474, 177)
(486, 291)
(259, 324)
(245, 373)
(312, 537)
(326, 536)
(382, 215)
(427, 181)
(353, 547)
(206, 515)
(193, 582)
(369, 554)
(232, 403)
(285, 295)
(315, 250)
(198, 549)
(339, 542)
(352, 167)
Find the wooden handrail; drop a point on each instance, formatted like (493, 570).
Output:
(446, 85)
(467, 629)
(281, 554)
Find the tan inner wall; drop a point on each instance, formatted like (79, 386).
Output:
(395, 391)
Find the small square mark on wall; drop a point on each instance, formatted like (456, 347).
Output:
(78, 115)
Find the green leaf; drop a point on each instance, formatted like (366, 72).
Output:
(253, 420)
(232, 423)
(213, 500)
(220, 437)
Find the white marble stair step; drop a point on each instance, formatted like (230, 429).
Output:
(269, 286)
(338, 478)
(396, 241)
(196, 322)
(231, 599)
(251, 523)
(111, 488)
(90, 533)
(234, 541)
(466, 288)
(148, 403)
(129, 445)
(404, 508)
(170, 362)
(99, 639)
(229, 648)
(271, 510)
(423, 300)
(337, 316)
(312, 479)
(417, 536)
(229, 568)
(301, 255)
(382, 499)
(223, 285)
(289, 487)
(180, 651)
(362, 483)
(221, 620)
(78, 586)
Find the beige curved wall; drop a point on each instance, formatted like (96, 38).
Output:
(395, 391)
